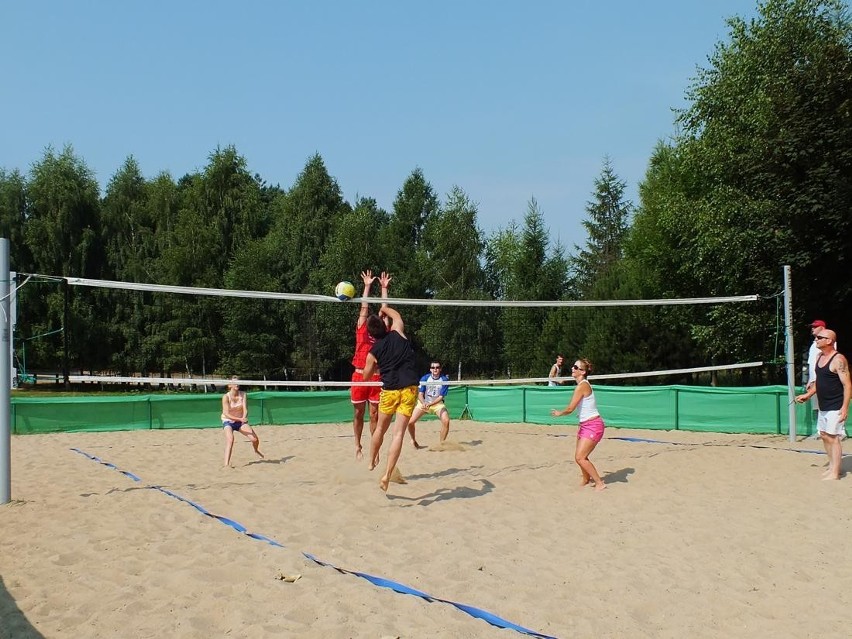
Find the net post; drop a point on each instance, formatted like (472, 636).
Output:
(466, 409)
(789, 355)
(5, 378)
(676, 408)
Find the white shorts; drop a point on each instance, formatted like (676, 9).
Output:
(828, 421)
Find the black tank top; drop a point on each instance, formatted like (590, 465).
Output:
(829, 387)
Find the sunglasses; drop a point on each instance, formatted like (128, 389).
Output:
(816, 337)
(577, 368)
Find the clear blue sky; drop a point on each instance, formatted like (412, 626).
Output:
(509, 100)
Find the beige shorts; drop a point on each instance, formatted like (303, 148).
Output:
(434, 409)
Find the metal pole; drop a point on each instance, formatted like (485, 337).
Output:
(5, 378)
(65, 333)
(13, 321)
(790, 357)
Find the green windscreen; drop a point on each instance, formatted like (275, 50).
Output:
(762, 409)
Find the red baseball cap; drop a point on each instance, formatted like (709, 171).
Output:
(816, 323)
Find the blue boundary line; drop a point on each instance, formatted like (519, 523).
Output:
(381, 582)
(643, 440)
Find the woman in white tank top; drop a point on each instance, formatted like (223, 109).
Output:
(591, 428)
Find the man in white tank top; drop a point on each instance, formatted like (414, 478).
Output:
(555, 372)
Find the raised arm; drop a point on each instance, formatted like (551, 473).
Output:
(396, 319)
(368, 278)
(384, 282)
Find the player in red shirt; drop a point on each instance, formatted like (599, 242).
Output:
(363, 396)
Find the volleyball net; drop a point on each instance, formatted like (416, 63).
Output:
(134, 333)
(699, 364)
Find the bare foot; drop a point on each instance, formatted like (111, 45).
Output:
(383, 483)
(396, 477)
(416, 445)
(584, 481)
(373, 464)
(259, 454)
(359, 453)
(830, 477)
(600, 486)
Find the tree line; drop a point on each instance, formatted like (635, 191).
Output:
(758, 175)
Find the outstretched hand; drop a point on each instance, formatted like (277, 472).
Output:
(367, 276)
(384, 279)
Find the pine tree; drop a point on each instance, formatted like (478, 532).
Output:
(606, 225)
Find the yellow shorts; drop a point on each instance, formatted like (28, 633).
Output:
(398, 401)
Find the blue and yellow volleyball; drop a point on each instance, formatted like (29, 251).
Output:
(344, 291)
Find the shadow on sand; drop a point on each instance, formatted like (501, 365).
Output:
(619, 476)
(443, 494)
(268, 460)
(15, 624)
(443, 473)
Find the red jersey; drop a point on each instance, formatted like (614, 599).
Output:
(363, 343)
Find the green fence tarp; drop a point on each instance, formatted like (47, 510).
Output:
(82, 413)
(761, 409)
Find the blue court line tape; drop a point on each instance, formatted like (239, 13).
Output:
(493, 619)
(107, 464)
(228, 522)
(643, 440)
(381, 582)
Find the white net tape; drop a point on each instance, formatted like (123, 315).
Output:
(190, 381)
(307, 297)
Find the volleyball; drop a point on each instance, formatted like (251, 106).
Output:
(344, 291)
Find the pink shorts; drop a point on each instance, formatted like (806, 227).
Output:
(592, 429)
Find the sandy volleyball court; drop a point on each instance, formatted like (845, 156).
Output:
(711, 536)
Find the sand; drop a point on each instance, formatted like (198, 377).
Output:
(712, 536)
